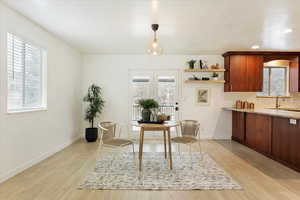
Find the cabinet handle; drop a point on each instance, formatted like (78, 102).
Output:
(231, 87)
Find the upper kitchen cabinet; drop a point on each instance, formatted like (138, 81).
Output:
(244, 69)
(294, 75)
(244, 73)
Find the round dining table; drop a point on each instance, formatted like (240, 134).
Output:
(165, 128)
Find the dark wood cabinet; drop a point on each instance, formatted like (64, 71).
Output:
(286, 142)
(258, 132)
(244, 69)
(294, 78)
(244, 73)
(238, 126)
(275, 137)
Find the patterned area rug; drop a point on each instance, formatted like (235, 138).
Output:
(196, 172)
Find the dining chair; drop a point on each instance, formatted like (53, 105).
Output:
(110, 137)
(190, 134)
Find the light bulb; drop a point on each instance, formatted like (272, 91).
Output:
(155, 48)
(288, 30)
(154, 44)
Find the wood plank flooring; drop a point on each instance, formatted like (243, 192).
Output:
(58, 177)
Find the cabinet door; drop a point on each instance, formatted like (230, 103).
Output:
(238, 73)
(244, 73)
(285, 141)
(255, 73)
(238, 126)
(258, 132)
(294, 75)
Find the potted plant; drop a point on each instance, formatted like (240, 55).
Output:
(147, 105)
(95, 106)
(215, 76)
(192, 63)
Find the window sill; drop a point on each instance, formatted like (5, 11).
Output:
(26, 110)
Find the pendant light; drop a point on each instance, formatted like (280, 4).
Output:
(155, 49)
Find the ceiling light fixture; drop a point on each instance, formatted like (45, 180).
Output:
(288, 30)
(155, 48)
(255, 47)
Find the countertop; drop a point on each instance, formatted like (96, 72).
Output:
(271, 112)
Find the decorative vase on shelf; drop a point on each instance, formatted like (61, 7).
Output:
(191, 64)
(201, 64)
(215, 76)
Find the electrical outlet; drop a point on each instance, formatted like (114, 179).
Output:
(293, 121)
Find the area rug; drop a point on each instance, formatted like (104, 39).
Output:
(196, 171)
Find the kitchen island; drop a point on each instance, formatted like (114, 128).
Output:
(274, 133)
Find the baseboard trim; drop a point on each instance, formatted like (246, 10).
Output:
(5, 176)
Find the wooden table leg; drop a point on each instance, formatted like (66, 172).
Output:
(165, 144)
(141, 148)
(170, 148)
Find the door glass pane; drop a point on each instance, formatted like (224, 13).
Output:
(278, 82)
(141, 89)
(166, 90)
(166, 95)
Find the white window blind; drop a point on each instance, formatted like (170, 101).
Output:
(25, 75)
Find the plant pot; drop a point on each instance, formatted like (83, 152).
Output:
(191, 65)
(215, 78)
(91, 134)
(146, 115)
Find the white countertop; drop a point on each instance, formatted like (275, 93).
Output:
(271, 112)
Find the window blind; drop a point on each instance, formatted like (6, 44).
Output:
(25, 70)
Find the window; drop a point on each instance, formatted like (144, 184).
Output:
(26, 69)
(275, 82)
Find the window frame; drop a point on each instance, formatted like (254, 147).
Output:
(44, 58)
(286, 71)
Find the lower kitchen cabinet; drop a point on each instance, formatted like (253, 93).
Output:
(258, 132)
(238, 126)
(275, 137)
(286, 141)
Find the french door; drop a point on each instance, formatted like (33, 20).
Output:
(161, 85)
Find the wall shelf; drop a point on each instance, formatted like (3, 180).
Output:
(202, 81)
(205, 70)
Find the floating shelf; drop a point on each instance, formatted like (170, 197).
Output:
(202, 81)
(205, 70)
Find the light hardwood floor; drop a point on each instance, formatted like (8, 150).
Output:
(58, 177)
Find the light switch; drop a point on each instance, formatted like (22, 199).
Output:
(293, 121)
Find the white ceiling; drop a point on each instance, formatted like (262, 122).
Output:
(186, 26)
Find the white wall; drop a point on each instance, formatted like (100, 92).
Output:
(26, 138)
(111, 73)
